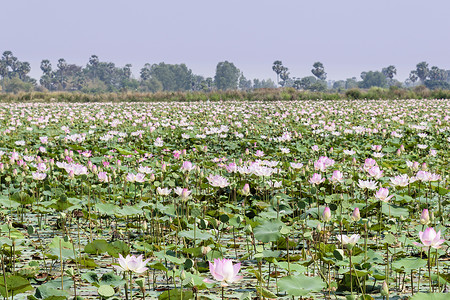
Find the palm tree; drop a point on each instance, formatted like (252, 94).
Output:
(278, 68)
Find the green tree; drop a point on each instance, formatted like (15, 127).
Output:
(319, 71)
(172, 77)
(389, 71)
(46, 66)
(227, 76)
(244, 84)
(413, 76)
(284, 75)
(278, 68)
(372, 78)
(422, 71)
(437, 74)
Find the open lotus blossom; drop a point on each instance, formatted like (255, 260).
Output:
(224, 271)
(182, 192)
(187, 166)
(39, 176)
(163, 191)
(375, 172)
(367, 184)
(132, 263)
(382, 195)
(349, 240)
(401, 180)
(316, 179)
(337, 176)
(296, 165)
(218, 181)
(139, 177)
(430, 238)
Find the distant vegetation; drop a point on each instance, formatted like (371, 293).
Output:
(168, 81)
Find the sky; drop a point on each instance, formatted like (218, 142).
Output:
(347, 36)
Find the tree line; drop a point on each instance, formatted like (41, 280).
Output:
(432, 78)
(100, 76)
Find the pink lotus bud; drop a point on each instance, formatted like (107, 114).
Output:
(246, 189)
(355, 215)
(71, 174)
(163, 167)
(425, 217)
(326, 215)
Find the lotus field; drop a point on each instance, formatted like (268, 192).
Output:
(225, 200)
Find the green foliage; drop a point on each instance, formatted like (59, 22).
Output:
(227, 76)
(372, 78)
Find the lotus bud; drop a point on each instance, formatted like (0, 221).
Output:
(183, 152)
(205, 249)
(119, 163)
(163, 167)
(326, 215)
(385, 289)
(144, 225)
(319, 227)
(246, 190)
(425, 217)
(89, 165)
(152, 177)
(71, 153)
(247, 152)
(71, 175)
(14, 172)
(432, 216)
(402, 148)
(399, 152)
(424, 166)
(94, 169)
(66, 152)
(183, 275)
(2, 167)
(356, 215)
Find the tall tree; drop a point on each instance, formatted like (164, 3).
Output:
(93, 63)
(413, 76)
(319, 71)
(284, 75)
(227, 76)
(62, 65)
(437, 74)
(244, 84)
(46, 66)
(422, 71)
(372, 78)
(278, 68)
(389, 71)
(146, 72)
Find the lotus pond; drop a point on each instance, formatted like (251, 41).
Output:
(225, 200)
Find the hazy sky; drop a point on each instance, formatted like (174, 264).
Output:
(347, 36)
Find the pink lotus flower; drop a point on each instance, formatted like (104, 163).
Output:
(337, 177)
(132, 263)
(382, 195)
(224, 271)
(218, 181)
(367, 184)
(349, 241)
(400, 180)
(429, 238)
(316, 179)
